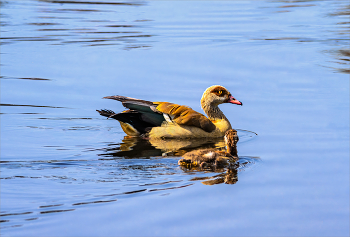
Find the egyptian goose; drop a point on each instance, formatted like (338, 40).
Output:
(210, 157)
(168, 120)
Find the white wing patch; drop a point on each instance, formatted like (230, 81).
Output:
(168, 118)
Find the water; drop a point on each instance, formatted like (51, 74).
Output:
(66, 171)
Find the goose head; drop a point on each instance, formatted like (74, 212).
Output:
(216, 95)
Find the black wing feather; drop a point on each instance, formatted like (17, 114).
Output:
(140, 121)
(142, 114)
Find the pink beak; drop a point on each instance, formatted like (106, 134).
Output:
(232, 100)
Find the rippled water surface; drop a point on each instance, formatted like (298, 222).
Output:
(67, 171)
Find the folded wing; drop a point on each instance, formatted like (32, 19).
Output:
(184, 115)
(143, 115)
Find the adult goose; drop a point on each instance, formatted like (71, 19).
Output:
(168, 120)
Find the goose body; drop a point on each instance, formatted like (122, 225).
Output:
(210, 157)
(168, 120)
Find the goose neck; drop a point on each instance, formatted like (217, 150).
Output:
(213, 112)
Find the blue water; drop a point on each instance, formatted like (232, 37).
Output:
(67, 171)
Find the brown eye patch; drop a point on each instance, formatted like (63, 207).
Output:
(219, 91)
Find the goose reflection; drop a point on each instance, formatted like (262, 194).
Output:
(198, 156)
(136, 147)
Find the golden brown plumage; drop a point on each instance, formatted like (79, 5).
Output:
(168, 120)
(183, 115)
(211, 157)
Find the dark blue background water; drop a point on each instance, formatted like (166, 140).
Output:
(63, 172)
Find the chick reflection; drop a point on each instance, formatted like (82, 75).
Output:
(215, 160)
(228, 177)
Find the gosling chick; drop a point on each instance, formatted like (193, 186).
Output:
(211, 157)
